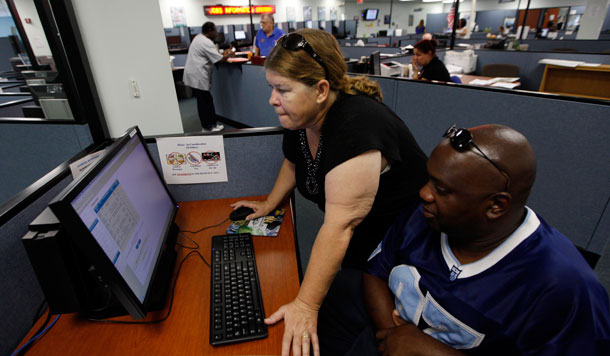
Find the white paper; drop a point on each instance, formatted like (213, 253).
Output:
(80, 166)
(590, 65)
(561, 62)
(504, 79)
(505, 85)
(479, 82)
(193, 159)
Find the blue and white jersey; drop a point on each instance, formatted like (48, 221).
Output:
(533, 295)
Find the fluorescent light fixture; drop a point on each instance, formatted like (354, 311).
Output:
(449, 1)
(414, 0)
(431, 0)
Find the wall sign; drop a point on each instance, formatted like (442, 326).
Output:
(218, 10)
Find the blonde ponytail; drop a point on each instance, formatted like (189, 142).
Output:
(361, 85)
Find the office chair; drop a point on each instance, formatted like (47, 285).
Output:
(500, 70)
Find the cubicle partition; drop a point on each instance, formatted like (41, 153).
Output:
(253, 158)
(32, 147)
(568, 134)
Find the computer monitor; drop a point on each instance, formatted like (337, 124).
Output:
(240, 35)
(375, 63)
(119, 215)
(370, 14)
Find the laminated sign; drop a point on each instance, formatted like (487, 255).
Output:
(193, 159)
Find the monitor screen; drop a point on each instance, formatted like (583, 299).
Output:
(240, 35)
(120, 213)
(544, 33)
(371, 14)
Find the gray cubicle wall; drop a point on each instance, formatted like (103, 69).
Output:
(586, 46)
(569, 136)
(253, 161)
(241, 93)
(21, 295)
(356, 52)
(32, 148)
(6, 52)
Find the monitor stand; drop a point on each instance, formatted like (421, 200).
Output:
(103, 304)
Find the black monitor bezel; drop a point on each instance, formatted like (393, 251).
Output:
(366, 13)
(80, 235)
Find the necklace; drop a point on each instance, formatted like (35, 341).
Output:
(312, 165)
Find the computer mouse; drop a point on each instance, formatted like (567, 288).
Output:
(240, 213)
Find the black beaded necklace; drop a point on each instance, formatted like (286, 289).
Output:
(313, 166)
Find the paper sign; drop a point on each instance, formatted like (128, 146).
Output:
(78, 167)
(193, 159)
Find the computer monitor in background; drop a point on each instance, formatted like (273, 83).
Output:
(119, 215)
(240, 35)
(370, 14)
(375, 63)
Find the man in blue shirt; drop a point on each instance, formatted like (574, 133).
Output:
(267, 36)
(472, 270)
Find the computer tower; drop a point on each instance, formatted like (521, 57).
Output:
(54, 271)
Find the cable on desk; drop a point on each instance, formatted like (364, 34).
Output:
(204, 228)
(27, 345)
(188, 247)
(171, 302)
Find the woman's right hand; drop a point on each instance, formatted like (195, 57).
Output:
(261, 208)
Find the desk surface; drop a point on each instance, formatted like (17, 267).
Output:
(186, 331)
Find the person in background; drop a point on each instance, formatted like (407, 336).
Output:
(462, 29)
(473, 270)
(202, 54)
(424, 57)
(420, 28)
(267, 36)
(344, 150)
(500, 32)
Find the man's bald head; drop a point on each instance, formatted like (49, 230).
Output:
(469, 196)
(512, 152)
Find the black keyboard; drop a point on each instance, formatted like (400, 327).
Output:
(236, 307)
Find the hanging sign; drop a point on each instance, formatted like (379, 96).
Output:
(218, 10)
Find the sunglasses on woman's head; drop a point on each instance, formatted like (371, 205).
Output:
(460, 139)
(295, 42)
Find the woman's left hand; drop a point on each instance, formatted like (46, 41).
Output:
(300, 328)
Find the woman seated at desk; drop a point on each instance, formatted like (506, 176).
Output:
(424, 56)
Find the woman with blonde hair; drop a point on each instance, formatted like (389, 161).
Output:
(345, 151)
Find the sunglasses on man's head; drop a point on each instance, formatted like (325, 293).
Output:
(460, 139)
(295, 42)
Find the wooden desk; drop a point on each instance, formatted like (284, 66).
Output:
(186, 331)
(583, 81)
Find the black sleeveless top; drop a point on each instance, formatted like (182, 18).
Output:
(356, 124)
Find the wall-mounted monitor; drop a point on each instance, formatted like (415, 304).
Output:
(370, 14)
(119, 216)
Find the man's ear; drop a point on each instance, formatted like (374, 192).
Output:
(323, 88)
(499, 204)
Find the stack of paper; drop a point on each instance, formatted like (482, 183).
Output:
(561, 62)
